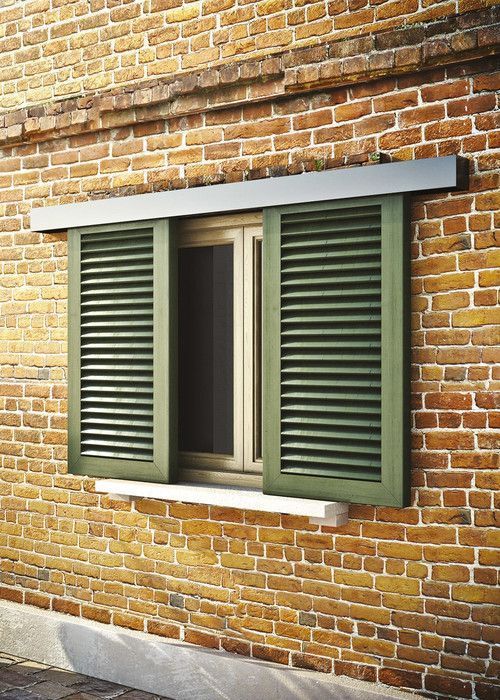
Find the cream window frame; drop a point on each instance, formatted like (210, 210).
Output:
(244, 467)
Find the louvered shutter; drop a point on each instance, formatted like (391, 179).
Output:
(120, 392)
(336, 351)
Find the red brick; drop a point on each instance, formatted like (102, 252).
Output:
(400, 678)
(447, 686)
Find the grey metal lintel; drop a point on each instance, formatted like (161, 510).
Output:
(426, 175)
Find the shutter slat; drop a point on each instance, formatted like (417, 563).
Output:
(358, 266)
(308, 240)
(104, 422)
(331, 343)
(328, 293)
(337, 317)
(92, 412)
(328, 434)
(332, 280)
(138, 375)
(318, 230)
(141, 320)
(302, 378)
(327, 446)
(123, 290)
(315, 330)
(117, 356)
(114, 345)
(122, 255)
(311, 461)
(140, 368)
(337, 345)
(343, 470)
(117, 335)
(326, 420)
(132, 388)
(348, 215)
(135, 238)
(332, 395)
(114, 434)
(326, 254)
(116, 339)
(115, 441)
(331, 408)
(327, 370)
(102, 313)
(332, 357)
(101, 451)
(134, 403)
(132, 303)
(108, 269)
(110, 282)
(318, 307)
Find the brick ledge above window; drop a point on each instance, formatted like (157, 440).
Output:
(330, 513)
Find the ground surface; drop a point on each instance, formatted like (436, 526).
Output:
(28, 680)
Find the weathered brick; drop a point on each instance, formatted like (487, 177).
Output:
(393, 586)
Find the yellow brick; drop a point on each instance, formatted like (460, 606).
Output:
(181, 14)
(378, 647)
(277, 535)
(125, 548)
(397, 584)
(235, 561)
(348, 578)
(476, 317)
(393, 601)
(196, 558)
(475, 594)
(416, 570)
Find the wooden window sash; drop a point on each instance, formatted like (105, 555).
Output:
(242, 468)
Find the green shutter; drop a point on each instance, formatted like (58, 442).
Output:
(336, 351)
(120, 369)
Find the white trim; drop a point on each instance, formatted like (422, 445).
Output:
(166, 667)
(320, 512)
(424, 175)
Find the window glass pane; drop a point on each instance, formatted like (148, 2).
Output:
(257, 399)
(206, 349)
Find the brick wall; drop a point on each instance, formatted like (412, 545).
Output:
(51, 49)
(403, 596)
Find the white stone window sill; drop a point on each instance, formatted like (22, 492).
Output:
(329, 513)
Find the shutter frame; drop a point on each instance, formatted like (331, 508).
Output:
(164, 361)
(393, 487)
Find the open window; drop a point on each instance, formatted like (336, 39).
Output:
(266, 350)
(219, 349)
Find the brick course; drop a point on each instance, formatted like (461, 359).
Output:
(407, 597)
(51, 50)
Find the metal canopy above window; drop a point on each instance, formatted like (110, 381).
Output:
(426, 175)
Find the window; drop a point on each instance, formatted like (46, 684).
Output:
(254, 349)
(219, 330)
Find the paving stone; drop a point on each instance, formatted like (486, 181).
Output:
(79, 696)
(19, 694)
(21, 679)
(28, 667)
(142, 695)
(102, 689)
(17, 680)
(51, 691)
(59, 675)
